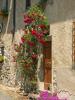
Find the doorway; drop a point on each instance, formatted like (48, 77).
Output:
(47, 58)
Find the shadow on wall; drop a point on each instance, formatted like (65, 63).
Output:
(41, 74)
(60, 10)
(40, 68)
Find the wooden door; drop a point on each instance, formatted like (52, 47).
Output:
(47, 51)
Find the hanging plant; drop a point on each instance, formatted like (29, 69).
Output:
(35, 32)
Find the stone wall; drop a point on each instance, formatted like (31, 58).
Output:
(60, 17)
(8, 69)
(62, 44)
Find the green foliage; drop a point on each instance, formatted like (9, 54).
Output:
(36, 32)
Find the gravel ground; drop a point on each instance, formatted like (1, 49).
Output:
(8, 93)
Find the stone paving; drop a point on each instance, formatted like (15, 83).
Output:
(11, 93)
(66, 82)
(4, 95)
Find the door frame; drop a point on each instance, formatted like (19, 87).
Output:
(47, 87)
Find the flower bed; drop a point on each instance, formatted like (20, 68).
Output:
(45, 95)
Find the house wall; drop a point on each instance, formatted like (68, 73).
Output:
(8, 68)
(60, 16)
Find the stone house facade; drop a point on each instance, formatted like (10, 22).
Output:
(60, 17)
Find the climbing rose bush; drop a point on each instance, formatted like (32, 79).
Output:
(36, 27)
(36, 33)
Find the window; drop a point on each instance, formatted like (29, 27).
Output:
(5, 5)
(28, 3)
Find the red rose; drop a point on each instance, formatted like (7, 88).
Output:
(40, 35)
(42, 42)
(31, 43)
(28, 20)
(34, 56)
(33, 32)
(22, 39)
(42, 26)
